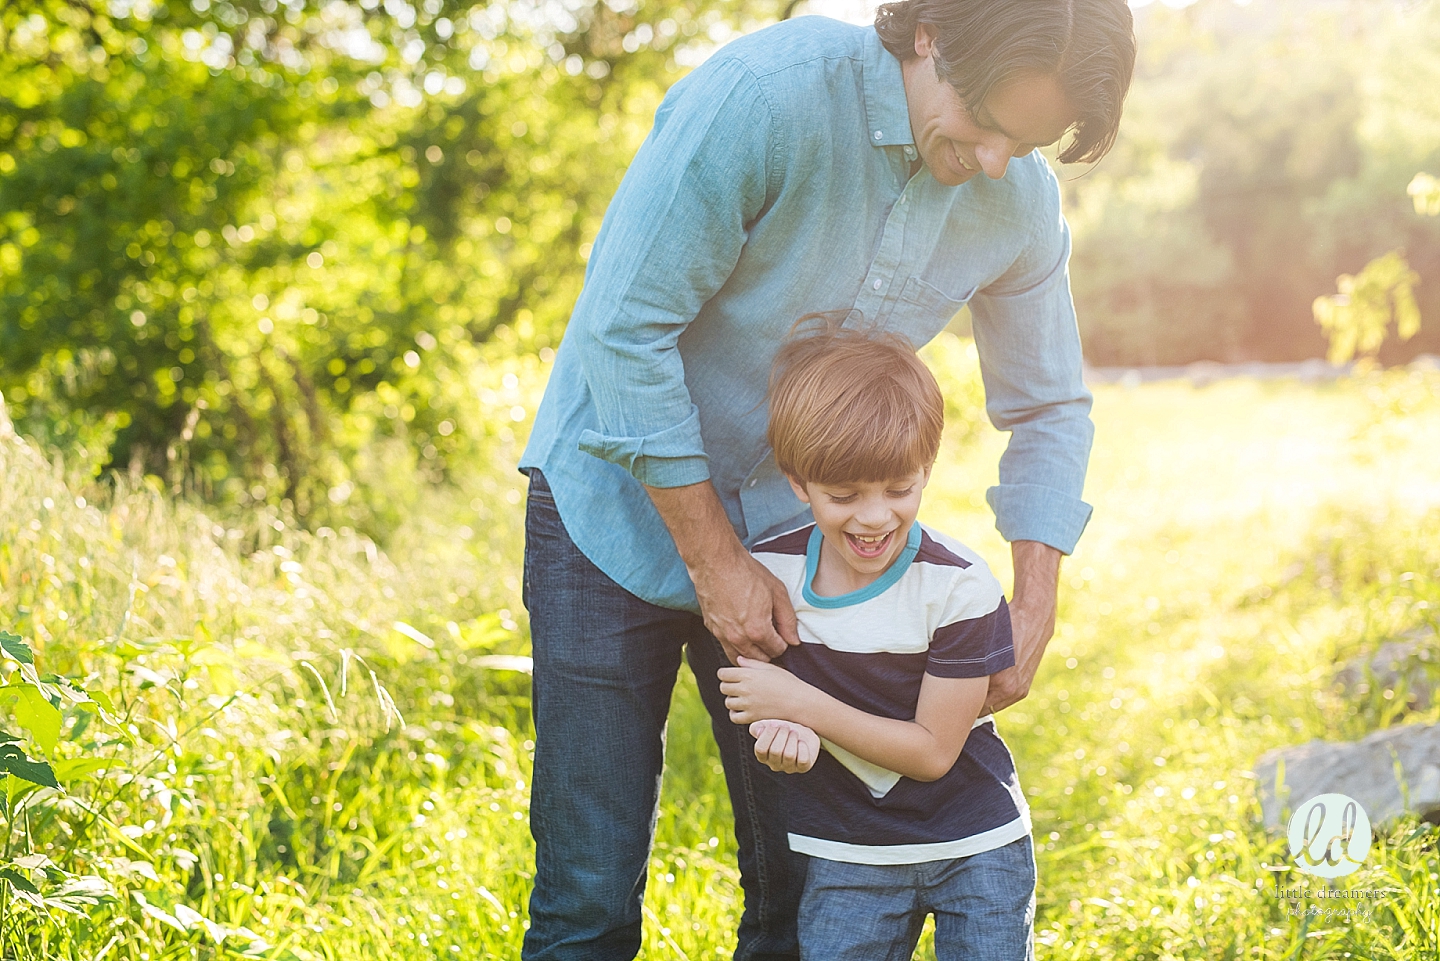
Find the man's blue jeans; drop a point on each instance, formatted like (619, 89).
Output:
(605, 665)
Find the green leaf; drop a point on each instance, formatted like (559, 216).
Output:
(14, 761)
(38, 716)
(103, 699)
(81, 895)
(158, 913)
(78, 767)
(19, 880)
(16, 649)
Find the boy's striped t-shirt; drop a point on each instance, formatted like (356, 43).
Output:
(937, 609)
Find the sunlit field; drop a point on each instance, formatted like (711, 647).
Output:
(313, 748)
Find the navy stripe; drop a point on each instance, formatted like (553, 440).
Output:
(934, 552)
(976, 647)
(791, 542)
(975, 796)
(880, 683)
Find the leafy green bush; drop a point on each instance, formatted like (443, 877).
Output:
(241, 243)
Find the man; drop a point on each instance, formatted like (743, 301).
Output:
(888, 174)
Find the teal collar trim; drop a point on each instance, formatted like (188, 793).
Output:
(875, 588)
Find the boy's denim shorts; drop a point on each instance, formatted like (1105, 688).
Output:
(984, 908)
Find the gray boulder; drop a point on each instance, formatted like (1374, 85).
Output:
(1389, 772)
(1410, 664)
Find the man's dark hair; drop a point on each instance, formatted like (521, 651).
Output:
(1088, 45)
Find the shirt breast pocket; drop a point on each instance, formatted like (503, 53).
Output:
(924, 309)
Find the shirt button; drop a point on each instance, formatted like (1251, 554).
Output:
(876, 285)
(878, 135)
(754, 481)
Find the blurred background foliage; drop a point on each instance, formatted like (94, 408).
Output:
(1267, 148)
(242, 241)
(261, 249)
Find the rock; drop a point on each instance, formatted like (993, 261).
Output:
(1425, 362)
(1389, 772)
(1411, 662)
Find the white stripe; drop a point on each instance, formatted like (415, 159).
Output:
(913, 853)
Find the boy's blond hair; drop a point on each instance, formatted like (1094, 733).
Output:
(848, 406)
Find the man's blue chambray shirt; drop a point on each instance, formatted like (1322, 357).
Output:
(775, 183)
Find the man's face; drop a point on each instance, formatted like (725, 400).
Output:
(1028, 112)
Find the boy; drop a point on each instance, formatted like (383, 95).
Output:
(913, 807)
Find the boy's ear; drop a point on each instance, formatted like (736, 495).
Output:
(799, 489)
(926, 481)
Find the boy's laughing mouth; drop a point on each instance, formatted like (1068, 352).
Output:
(869, 545)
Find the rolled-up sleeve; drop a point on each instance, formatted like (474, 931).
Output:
(1030, 360)
(670, 239)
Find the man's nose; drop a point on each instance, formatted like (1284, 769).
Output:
(994, 155)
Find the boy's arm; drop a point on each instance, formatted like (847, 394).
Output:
(923, 749)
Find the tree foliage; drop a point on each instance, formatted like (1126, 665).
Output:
(1356, 319)
(246, 244)
(241, 240)
(1266, 149)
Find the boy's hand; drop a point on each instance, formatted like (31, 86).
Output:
(757, 691)
(784, 746)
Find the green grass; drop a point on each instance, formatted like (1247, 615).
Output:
(1247, 538)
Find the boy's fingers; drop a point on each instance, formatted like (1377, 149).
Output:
(791, 747)
(766, 740)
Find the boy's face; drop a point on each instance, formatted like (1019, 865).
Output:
(864, 524)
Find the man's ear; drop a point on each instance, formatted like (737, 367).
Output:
(924, 40)
(799, 489)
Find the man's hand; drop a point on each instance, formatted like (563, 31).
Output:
(784, 746)
(757, 691)
(1032, 620)
(744, 605)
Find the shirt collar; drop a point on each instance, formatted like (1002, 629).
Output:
(887, 114)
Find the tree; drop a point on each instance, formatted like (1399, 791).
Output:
(251, 237)
(1356, 319)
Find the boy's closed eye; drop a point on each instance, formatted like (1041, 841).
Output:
(846, 498)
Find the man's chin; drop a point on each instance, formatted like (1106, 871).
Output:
(949, 177)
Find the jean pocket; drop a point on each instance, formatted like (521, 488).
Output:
(539, 488)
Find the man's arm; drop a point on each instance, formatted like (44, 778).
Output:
(1032, 620)
(1029, 350)
(670, 239)
(923, 749)
(744, 605)
(1028, 345)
